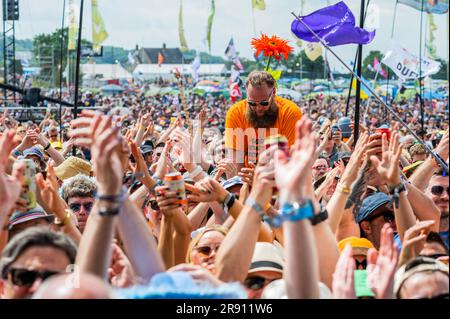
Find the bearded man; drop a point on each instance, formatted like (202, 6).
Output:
(263, 114)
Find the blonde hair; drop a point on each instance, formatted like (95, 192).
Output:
(258, 78)
(218, 228)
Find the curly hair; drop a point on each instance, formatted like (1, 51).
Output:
(417, 149)
(78, 186)
(258, 78)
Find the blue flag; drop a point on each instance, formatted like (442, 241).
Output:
(335, 24)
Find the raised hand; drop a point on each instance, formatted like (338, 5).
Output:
(343, 277)
(291, 174)
(381, 265)
(247, 173)
(414, 239)
(388, 168)
(168, 201)
(120, 273)
(208, 190)
(443, 146)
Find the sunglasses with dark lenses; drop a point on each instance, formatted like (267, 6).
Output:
(361, 264)
(25, 277)
(438, 190)
(206, 251)
(388, 216)
(262, 103)
(77, 207)
(255, 283)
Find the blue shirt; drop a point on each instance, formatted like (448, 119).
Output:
(444, 236)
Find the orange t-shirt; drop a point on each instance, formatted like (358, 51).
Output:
(241, 136)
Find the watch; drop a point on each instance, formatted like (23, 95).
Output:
(63, 222)
(321, 217)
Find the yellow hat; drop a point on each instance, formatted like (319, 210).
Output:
(360, 246)
(71, 167)
(57, 145)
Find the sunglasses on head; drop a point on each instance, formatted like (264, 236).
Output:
(25, 277)
(206, 251)
(438, 190)
(255, 283)
(75, 207)
(262, 103)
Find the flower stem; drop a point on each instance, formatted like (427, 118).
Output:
(268, 63)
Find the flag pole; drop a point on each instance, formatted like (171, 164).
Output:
(61, 70)
(422, 111)
(392, 36)
(358, 84)
(351, 78)
(377, 97)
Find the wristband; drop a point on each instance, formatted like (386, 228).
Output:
(104, 212)
(158, 181)
(297, 211)
(113, 198)
(196, 172)
(395, 192)
(343, 189)
(48, 146)
(321, 217)
(275, 222)
(61, 223)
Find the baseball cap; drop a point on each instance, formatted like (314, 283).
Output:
(339, 156)
(360, 246)
(235, 180)
(32, 214)
(266, 257)
(73, 166)
(34, 151)
(371, 204)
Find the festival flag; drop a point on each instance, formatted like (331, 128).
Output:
(210, 22)
(430, 6)
(407, 65)
(313, 50)
(73, 25)
(99, 33)
(235, 91)
(335, 24)
(378, 68)
(259, 5)
(183, 43)
(195, 67)
(160, 58)
(232, 54)
(431, 46)
(365, 94)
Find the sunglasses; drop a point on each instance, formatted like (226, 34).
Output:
(206, 251)
(54, 136)
(438, 190)
(361, 264)
(77, 207)
(24, 277)
(262, 103)
(322, 167)
(256, 282)
(388, 216)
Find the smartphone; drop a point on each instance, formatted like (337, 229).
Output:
(29, 183)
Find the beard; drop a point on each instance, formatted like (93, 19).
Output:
(265, 121)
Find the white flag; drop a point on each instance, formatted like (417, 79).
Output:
(407, 66)
(195, 67)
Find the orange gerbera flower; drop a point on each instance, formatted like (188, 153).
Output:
(272, 47)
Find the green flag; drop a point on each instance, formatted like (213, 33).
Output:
(210, 22)
(431, 46)
(259, 4)
(99, 33)
(73, 25)
(183, 43)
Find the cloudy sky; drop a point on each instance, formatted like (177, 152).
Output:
(153, 22)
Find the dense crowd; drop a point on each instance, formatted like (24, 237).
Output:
(153, 197)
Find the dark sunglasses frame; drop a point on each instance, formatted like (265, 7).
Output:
(363, 263)
(255, 282)
(262, 103)
(438, 190)
(25, 277)
(205, 250)
(75, 207)
(388, 216)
